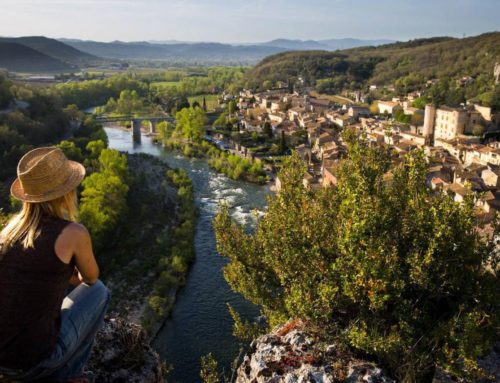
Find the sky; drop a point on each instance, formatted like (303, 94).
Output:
(240, 21)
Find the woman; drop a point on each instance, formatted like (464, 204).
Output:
(43, 334)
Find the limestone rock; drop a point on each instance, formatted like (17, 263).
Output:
(290, 355)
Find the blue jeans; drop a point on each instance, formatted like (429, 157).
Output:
(82, 315)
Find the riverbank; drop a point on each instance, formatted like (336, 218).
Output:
(151, 252)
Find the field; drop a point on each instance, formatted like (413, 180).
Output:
(165, 84)
(212, 101)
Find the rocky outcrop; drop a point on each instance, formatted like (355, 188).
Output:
(122, 353)
(290, 355)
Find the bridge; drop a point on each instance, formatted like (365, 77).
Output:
(136, 122)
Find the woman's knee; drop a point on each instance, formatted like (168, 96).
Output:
(100, 291)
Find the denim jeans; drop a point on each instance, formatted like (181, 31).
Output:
(82, 314)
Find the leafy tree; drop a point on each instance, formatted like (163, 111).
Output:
(232, 107)
(374, 108)
(420, 102)
(165, 130)
(73, 113)
(191, 123)
(386, 267)
(71, 151)
(128, 102)
(104, 195)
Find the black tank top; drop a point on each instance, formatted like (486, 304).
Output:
(33, 284)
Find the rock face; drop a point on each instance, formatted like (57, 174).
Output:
(290, 355)
(122, 353)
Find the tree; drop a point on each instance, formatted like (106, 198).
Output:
(73, 113)
(283, 147)
(71, 151)
(232, 107)
(104, 195)
(165, 130)
(374, 264)
(205, 104)
(374, 108)
(478, 130)
(191, 123)
(128, 102)
(268, 130)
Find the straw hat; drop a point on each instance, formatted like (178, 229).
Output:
(44, 174)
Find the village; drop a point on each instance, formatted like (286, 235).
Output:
(461, 145)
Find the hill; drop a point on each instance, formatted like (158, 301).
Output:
(434, 58)
(208, 53)
(53, 48)
(20, 58)
(191, 53)
(426, 58)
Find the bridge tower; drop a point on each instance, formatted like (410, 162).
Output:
(136, 130)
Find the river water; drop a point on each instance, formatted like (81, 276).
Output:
(200, 322)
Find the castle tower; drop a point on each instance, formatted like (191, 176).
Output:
(496, 73)
(429, 118)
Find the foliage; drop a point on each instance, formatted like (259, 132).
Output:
(128, 103)
(104, 196)
(191, 123)
(400, 116)
(43, 122)
(208, 371)
(243, 329)
(379, 265)
(311, 66)
(90, 93)
(407, 66)
(236, 167)
(5, 93)
(478, 130)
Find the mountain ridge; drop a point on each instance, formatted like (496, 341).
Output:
(21, 58)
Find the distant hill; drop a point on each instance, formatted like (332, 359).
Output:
(20, 58)
(53, 48)
(428, 58)
(207, 53)
(203, 53)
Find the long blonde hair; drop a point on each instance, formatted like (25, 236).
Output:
(24, 227)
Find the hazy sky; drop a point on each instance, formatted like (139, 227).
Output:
(246, 20)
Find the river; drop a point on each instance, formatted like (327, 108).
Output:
(200, 322)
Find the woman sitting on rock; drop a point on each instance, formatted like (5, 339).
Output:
(44, 334)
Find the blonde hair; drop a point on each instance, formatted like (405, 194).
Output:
(24, 227)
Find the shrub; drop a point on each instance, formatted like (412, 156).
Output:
(388, 268)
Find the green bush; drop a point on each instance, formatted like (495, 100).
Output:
(389, 268)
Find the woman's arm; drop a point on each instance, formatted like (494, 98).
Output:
(75, 241)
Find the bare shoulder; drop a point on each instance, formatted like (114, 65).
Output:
(76, 231)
